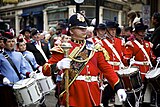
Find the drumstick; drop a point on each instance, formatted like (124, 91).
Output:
(157, 64)
(31, 76)
(12, 83)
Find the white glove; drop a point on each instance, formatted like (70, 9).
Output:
(32, 74)
(64, 63)
(6, 81)
(158, 59)
(40, 68)
(121, 95)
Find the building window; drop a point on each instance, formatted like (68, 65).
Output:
(110, 15)
(89, 12)
(57, 15)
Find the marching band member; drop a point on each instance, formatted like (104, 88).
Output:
(85, 62)
(141, 51)
(10, 74)
(21, 45)
(114, 47)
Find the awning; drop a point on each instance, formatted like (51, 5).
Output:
(25, 14)
(33, 13)
(37, 13)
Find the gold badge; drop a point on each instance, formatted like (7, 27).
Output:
(147, 45)
(80, 18)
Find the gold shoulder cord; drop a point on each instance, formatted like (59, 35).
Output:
(105, 53)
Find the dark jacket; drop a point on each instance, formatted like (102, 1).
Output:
(155, 39)
(38, 56)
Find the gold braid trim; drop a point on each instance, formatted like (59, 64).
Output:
(45, 66)
(98, 47)
(77, 50)
(68, 85)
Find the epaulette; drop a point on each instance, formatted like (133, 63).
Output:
(57, 49)
(129, 43)
(99, 47)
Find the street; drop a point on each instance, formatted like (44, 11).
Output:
(50, 100)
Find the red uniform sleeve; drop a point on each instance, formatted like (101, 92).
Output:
(46, 69)
(107, 70)
(128, 53)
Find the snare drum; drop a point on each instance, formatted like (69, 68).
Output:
(27, 91)
(45, 83)
(153, 77)
(130, 79)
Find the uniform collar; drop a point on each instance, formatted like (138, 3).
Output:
(8, 50)
(77, 41)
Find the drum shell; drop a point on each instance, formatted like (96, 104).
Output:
(28, 94)
(131, 81)
(45, 83)
(153, 77)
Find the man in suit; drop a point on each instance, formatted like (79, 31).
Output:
(155, 37)
(39, 49)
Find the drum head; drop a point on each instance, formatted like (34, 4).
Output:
(153, 73)
(127, 71)
(40, 76)
(23, 83)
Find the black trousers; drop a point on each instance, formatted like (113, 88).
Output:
(108, 93)
(132, 99)
(7, 97)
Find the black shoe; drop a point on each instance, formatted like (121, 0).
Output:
(117, 105)
(42, 105)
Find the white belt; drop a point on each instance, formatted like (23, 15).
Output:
(114, 63)
(87, 78)
(141, 62)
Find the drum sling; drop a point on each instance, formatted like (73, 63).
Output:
(29, 62)
(144, 51)
(12, 64)
(114, 51)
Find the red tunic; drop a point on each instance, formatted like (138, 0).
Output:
(132, 49)
(118, 45)
(82, 93)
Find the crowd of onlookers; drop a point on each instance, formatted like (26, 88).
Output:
(39, 45)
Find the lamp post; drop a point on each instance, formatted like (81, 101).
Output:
(97, 12)
(78, 2)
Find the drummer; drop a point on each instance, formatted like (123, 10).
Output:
(21, 45)
(136, 55)
(114, 46)
(8, 74)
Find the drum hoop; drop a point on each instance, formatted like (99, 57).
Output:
(26, 86)
(153, 77)
(128, 74)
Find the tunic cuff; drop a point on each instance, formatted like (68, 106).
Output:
(54, 69)
(118, 86)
